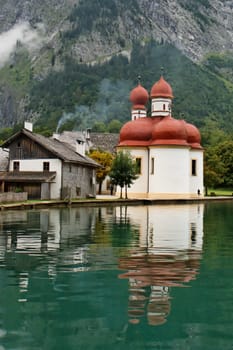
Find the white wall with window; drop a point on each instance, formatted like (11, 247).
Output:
(196, 172)
(42, 165)
(171, 175)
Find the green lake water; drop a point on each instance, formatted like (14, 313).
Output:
(136, 277)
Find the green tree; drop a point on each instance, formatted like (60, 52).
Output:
(105, 160)
(214, 169)
(224, 151)
(99, 127)
(124, 171)
(114, 126)
(211, 134)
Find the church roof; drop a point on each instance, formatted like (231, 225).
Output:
(161, 89)
(159, 131)
(139, 97)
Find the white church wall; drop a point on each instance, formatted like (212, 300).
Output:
(160, 107)
(196, 181)
(171, 172)
(139, 188)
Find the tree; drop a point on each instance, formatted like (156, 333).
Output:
(98, 126)
(224, 151)
(114, 126)
(105, 160)
(124, 171)
(214, 169)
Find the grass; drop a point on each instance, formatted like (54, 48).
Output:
(221, 191)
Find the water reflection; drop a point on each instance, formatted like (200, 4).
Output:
(168, 255)
(64, 272)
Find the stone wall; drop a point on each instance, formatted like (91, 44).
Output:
(78, 181)
(13, 197)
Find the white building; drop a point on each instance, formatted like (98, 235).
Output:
(168, 151)
(47, 168)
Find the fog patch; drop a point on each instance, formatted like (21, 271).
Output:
(21, 33)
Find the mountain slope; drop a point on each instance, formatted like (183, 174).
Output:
(82, 41)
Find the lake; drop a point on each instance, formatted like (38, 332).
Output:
(123, 277)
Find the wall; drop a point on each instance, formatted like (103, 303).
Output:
(140, 185)
(13, 197)
(196, 182)
(37, 165)
(78, 181)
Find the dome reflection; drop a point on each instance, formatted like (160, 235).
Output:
(168, 256)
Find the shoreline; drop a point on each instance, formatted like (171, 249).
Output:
(102, 201)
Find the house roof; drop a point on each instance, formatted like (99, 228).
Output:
(28, 176)
(103, 141)
(61, 150)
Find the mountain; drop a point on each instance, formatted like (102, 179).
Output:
(76, 61)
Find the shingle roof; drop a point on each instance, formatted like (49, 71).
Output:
(60, 149)
(103, 141)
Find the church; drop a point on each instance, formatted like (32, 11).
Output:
(167, 151)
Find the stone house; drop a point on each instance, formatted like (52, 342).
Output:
(86, 141)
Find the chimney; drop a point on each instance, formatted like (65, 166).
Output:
(28, 126)
(56, 136)
(80, 147)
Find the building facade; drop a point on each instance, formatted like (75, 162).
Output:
(168, 152)
(46, 168)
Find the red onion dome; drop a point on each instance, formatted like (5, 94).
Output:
(169, 131)
(161, 89)
(193, 135)
(139, 96)
(136, 132)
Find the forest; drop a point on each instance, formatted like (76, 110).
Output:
(96, 96)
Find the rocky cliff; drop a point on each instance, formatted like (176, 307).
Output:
(92, 32)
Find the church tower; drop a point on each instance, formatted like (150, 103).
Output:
(168, 150)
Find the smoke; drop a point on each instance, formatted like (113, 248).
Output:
(112, 103)
(81, 113)
(30, 38)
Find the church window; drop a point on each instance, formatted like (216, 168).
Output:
(194, 167)
(138, 165)
(152, 165)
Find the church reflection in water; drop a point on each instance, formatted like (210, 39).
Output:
(168, 255)
(155, 248)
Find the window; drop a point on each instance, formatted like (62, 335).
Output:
(19, 151)
(152, 165)
(138, 165)
(16, 166)
(194, 167)
(78, 191)
(164, 107)
(46, 166)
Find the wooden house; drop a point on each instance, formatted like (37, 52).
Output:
(47, 168)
